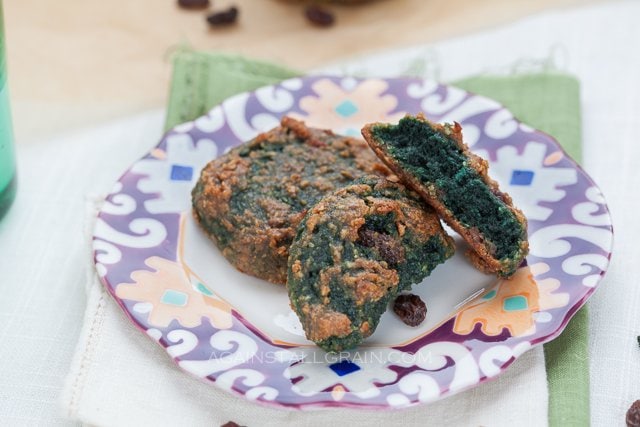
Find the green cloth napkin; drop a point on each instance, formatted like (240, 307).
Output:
(547, 101)
(550, 102)
(202, 80)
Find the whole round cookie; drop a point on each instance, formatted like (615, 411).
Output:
(353, 252)
(251, 199)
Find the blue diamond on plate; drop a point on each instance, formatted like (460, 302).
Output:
(181, 173)
(520, 177)
(344, 367)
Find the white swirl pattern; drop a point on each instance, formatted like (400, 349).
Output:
(435, 356)
(275, 99)
(263, 122)
(348, 83)
(147, 233)
(501, 353)
(120, 204)
(154, 333)
(211, 122)
(472, 106)
(421, 384)
(238, 122)
(398, 400)
(501, 125)
(550, 242)
(249, 377)
(143, 307)
(581, 265)
(262, 393)
(292, 84)
(183, 127)
(439, 104)
(185, 341)
(224, 341)
(106, 253)
(585, 212)
(422, 89)
(469, 108)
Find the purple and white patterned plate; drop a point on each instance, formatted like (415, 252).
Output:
(240, 333)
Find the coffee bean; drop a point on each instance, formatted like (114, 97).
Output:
(226, 17)
(193, 4)
(633, 415)
(319, 16)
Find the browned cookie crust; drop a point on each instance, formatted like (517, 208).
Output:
(354, 251)
(433, 160)
(250, 200)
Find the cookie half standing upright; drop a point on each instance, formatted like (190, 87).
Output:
(353, 252)
(250, 200)
(433, 160)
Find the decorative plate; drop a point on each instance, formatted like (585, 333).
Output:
(240, 333)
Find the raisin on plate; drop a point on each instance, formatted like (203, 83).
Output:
(410, 308)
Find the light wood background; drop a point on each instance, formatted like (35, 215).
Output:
(76, 63)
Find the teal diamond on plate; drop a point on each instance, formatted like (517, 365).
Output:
(204, 290)
(352, 132)
(516, 303)
(173, 297)
(346, 108)
(490, 294)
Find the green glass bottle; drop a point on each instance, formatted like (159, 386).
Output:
(7, 155)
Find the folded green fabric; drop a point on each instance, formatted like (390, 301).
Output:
(550, 102)
(201, 80)
(547, 101)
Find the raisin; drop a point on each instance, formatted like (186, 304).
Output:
(193, 4)
(633, 415)
(319, 16)
(226, 17)
(410, 308)
(389, 248)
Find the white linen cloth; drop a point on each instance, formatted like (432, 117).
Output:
(121, 377)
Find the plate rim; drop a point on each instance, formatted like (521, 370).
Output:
(568, 313)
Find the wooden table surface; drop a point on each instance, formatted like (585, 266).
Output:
(77, 63)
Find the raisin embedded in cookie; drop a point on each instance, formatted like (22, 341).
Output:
(250, 200)
(353, 252)
(432, 160)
